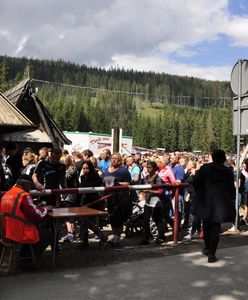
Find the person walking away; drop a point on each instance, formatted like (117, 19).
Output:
(214, 200)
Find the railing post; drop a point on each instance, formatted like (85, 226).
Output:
(176, 217)
(58, 201)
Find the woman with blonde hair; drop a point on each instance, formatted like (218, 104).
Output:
(93, 159)
(28, 161)
(166, 174)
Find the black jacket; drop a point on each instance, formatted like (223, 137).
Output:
(214, 198)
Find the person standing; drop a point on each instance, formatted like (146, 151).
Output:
(244, 190)
(134, 170)
(135, 174)
(89, 177)
(214, 200)
(153, 206)
(104, 163)
(179, 174)
(43, 153)
(86, 154)
(77, 157)
(14, 160)
(119, 204)
(28, 161)
(50, 174)
(166, 174)
(70, 200)
(2, 170)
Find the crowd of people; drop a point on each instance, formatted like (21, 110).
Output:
(56, 168)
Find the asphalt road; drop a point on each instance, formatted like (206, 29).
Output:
(165, 272)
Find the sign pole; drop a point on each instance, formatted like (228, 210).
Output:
(238, 142)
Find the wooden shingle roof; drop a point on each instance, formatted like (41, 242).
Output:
(23, 97)
(15, 94)
(11, 116)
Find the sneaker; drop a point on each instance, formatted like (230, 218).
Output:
(231, 229)
(68, 237)
(188, 237)
(191, 236)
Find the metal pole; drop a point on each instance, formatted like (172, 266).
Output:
(176, 217)
(238, 143)
(116, 139)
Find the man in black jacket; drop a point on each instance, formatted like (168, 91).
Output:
(214, 200)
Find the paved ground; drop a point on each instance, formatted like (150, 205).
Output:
(137, 272)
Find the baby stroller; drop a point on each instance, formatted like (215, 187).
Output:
(135, 223)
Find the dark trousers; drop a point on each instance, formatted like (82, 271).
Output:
(186, 212)
(89, 223)
(167, 208)
(211, 232)
(157, 215)
(196, 225)
(46, 238)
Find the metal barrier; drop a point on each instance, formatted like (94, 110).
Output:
(114, 189)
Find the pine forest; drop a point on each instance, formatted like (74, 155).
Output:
(157, 110)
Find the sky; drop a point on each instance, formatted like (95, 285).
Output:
(199, 38)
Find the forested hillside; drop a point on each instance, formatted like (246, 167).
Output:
(158, 110)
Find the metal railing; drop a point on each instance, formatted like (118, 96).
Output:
(114, 189)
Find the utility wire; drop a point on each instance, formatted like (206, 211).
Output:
(120, 91)
(90, 88)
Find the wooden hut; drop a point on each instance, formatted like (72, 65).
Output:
(23, 97)
(12, 119)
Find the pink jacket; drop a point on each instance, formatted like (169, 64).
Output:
(167, 175)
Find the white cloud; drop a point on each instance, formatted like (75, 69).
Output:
(160, 65)
(124, 32)
(237, 28)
